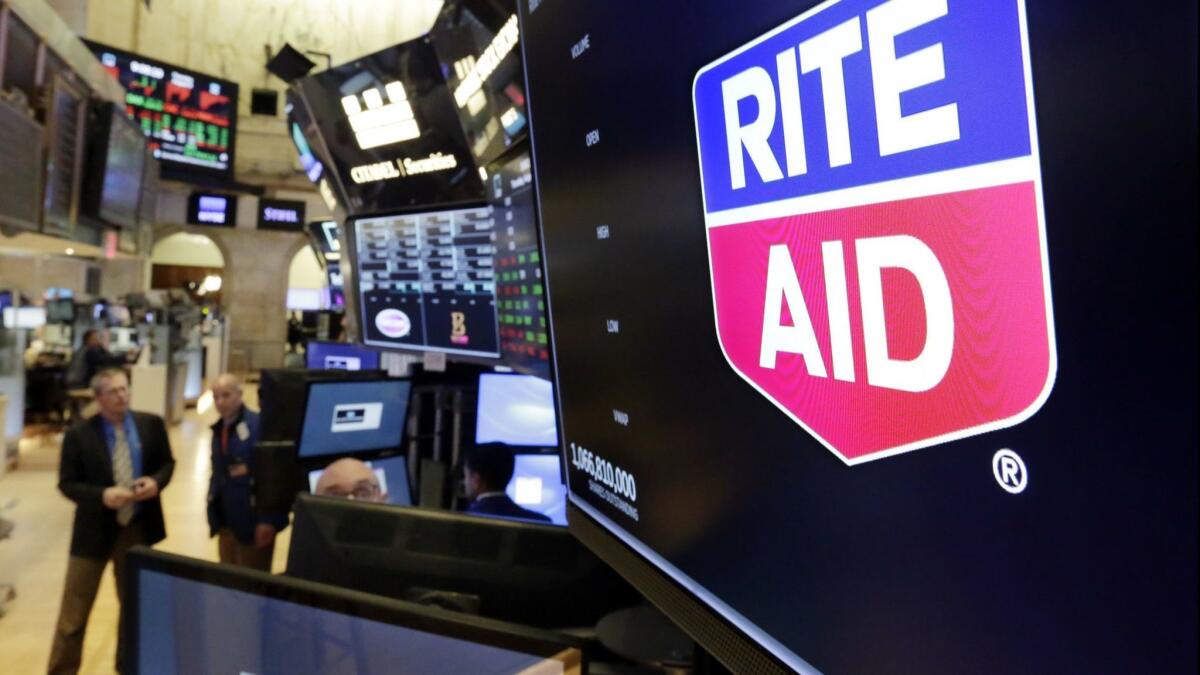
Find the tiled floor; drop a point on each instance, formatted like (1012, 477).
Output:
(35, 558)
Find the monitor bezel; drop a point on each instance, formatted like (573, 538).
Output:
(533, 641)
(308, 387)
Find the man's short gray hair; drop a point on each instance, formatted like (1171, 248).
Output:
(103, 376)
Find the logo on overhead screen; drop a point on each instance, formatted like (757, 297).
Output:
(872, 203)
(376, 122)
(356, 417)
(393, 323)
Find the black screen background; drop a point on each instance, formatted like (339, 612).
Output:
(916, 563)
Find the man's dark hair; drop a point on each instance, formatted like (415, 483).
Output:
(494, 464)
(87, 335)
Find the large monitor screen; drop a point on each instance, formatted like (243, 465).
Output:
(342, 417)
(388, 123)
(477, 45)
(390, 472)
(188, 616)
(520, 291)
(537, 485)
(862, 341)
(426, 283)
(124, 161)
(339, 356)
(516, 410)
(189, 117)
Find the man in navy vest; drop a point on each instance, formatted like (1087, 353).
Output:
(243, 538)
(487, 469)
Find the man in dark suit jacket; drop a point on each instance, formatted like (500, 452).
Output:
(113, 467)
(487, 469)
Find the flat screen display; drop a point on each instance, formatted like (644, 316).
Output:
(124, 163)
(392, 474)
(537, 485)
(343, 417)
(388, 123)
(516, 410)
(833, 290)
(426, 281)
(190, 616)
(189, 118)
(477, 43)
(340, 356)
(281, 214)
(206, 208)
(520, 291)
(60, 311)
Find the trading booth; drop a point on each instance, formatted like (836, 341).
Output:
(818, 341)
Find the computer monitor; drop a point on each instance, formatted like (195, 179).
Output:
(537, 485)
(528, 573)
(516, 410)
(282, 394)
(340, 356)
(184, 615)
(392, 473)
(60, 311)
(354, 416)
(425, 281)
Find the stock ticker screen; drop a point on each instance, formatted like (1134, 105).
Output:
(426, 281)
(190, 118)
(520, 293)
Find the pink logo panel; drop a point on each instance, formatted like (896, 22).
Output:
(899, 324)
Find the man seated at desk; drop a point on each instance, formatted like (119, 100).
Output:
(95, 357)
(487, 470)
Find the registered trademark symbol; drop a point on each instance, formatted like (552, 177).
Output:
(1009, 470)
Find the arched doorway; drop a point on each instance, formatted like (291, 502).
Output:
(190, 261)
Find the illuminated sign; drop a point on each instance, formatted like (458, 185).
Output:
(212, 209)
(278, 214)
(872, 198)
(381, 123)
(405, 166)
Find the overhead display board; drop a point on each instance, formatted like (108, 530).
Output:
(281, 214)
(189, 117)
(870, 356)
(426, 283)
(389, 125)
(206, 208)
(477, 43)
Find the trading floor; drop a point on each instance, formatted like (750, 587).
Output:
(37, 550)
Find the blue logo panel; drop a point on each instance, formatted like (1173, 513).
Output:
(959, 55)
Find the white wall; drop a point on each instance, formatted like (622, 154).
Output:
(193, 250)
(305, 270)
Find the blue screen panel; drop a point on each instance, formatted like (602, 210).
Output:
(343, 417)
(537, 485)
(516, 410)
(340, 356)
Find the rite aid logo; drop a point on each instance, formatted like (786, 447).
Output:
(872, 200)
